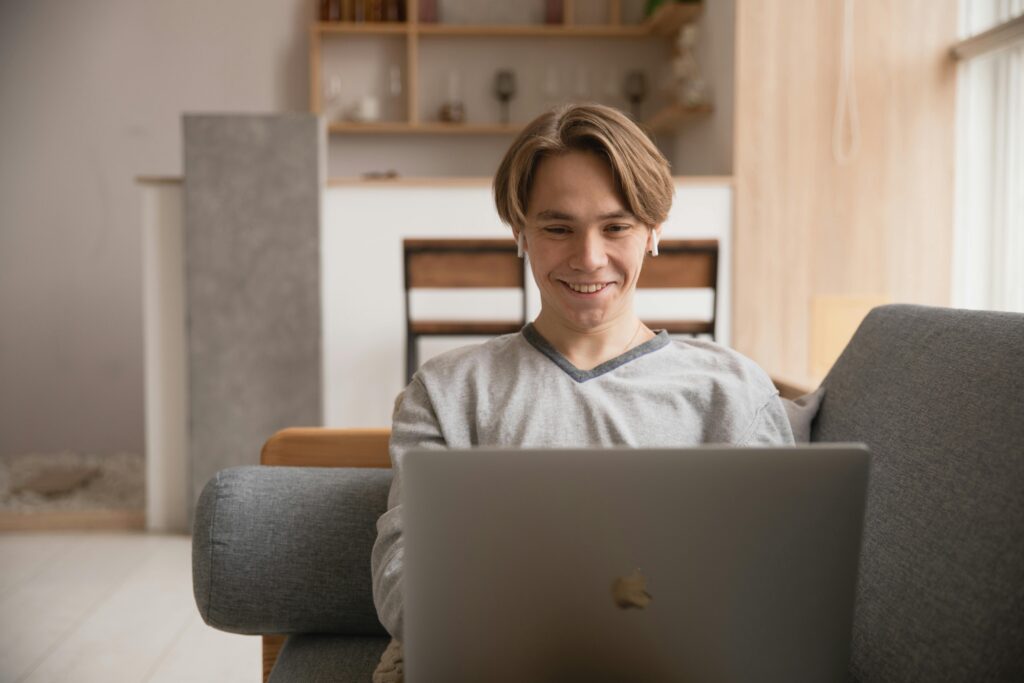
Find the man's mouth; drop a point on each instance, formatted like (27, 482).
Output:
(586, 288)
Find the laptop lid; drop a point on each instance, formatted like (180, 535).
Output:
(702, 564)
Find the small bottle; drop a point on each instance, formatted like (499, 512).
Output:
(453, 110)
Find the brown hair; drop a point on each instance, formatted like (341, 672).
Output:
(640, 171)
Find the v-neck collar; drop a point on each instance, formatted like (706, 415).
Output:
(660, 340)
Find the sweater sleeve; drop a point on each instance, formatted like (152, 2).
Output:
(414, 425)
(770, 426)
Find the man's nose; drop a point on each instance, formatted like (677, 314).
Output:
(590, 252)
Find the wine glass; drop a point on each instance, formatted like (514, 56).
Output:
(332, 96)
(395, 81)
(505, 90)
(635, 89)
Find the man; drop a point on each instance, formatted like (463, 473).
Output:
(585, 193)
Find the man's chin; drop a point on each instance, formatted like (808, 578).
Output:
(589, 320)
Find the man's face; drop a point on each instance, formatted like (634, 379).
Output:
(585, 247)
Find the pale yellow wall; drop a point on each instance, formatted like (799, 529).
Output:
(806, 227)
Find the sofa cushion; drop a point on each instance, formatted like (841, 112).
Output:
(938, 395)
(287, 549)
(328, 658)
(801, 413)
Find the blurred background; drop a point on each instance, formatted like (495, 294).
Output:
(841, 153)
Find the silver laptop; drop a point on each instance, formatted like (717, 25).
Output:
(702, 564)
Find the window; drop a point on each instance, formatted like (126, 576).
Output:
(988, 254)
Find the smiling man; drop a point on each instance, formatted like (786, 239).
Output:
(585, 193)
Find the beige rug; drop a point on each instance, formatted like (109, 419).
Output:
(72, 489)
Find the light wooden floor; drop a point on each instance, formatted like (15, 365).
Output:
(95, 606)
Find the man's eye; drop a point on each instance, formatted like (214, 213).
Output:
(556, 230)
(618, 228)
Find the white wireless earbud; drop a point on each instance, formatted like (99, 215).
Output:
(520, 244)
(654, 242)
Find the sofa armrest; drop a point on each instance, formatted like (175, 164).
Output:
(287, 549)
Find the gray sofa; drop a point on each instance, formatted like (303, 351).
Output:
(938, 395)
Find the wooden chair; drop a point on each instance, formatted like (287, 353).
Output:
(318, 447)
(683, 264)
(459, 263)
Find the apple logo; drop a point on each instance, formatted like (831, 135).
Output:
(630, 592)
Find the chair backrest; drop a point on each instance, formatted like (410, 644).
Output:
(440, 264)
(683, 264)
(476, 263)
(936, 393)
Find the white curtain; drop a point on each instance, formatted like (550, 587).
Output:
(989, 249)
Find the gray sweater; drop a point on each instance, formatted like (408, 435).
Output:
(517, 390)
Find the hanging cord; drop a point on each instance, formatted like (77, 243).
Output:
(846, 98)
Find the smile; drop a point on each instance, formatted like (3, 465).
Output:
(586, 288)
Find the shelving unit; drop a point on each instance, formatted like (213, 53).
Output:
(429, 127)
(663, 24)
(675, 116)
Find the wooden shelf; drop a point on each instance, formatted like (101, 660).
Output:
(402, 127)
(365, 28)
(533, 31)
(667, 20)
(665, 120)
(674, 116)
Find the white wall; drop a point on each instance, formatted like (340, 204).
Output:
(92, 94)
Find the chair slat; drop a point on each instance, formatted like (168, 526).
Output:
(682, 269)
(478, 269)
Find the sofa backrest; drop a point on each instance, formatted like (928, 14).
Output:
(938, 395)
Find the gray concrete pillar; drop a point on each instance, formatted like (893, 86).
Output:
(252, 269)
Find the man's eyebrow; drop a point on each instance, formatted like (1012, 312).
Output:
(552, 214)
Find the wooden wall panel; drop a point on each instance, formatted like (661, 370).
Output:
(807, 227)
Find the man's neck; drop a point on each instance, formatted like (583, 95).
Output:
(588, 348)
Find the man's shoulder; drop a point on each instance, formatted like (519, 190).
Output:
(706, 356)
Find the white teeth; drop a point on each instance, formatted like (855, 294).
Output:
(585, 289)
